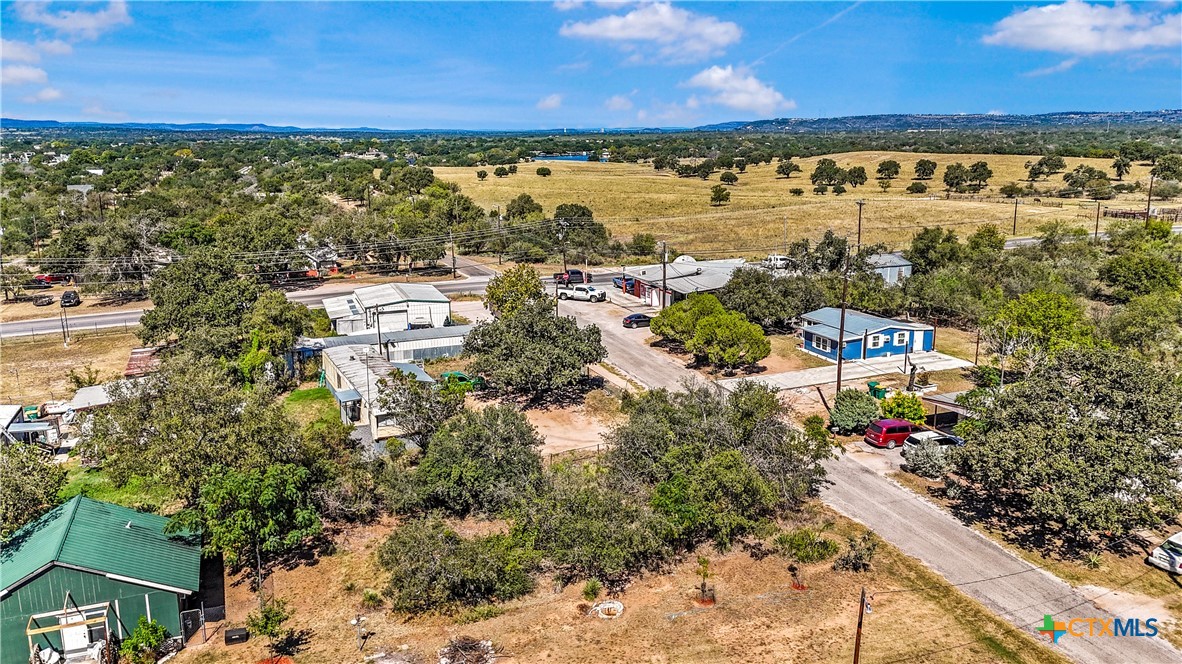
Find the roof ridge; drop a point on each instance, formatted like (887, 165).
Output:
(73, 511)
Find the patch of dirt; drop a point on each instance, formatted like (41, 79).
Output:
(566, 429)
(33, 372)
(1128, 604)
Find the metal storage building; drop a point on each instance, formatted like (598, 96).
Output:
(88, 569)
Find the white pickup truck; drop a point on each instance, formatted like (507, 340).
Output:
(582, 292)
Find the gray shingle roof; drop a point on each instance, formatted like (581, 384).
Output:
(887, 260)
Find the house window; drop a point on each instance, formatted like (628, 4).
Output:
(822, 344)
(900, 338)
(877, 341)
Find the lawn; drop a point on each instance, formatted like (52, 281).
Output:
(35, 371)
(786, 355)
(759, 617)
(138, 493)
(309, 404)
(634, 198)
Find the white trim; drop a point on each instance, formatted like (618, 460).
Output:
(149, 584)
(148, 606)
(901, 338)
(118, 620)
(876, 341)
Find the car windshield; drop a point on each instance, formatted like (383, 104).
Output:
(875, 428)
(1173, 547)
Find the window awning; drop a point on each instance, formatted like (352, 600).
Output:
(347, 396)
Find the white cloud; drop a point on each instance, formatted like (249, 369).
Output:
(1054, 69)
(54, 47)
(22, 75)
(78, 23)
(678, 34)
(1078, 28)
(15, 51)
(567, 5)
(96, 109)
(618, 103)
(737, 88)
(45, 94)
(550, 102)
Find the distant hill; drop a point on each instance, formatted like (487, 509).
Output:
(917, 122)
(853, 124)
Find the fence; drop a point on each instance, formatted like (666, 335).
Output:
(577, 454)
(193, 621)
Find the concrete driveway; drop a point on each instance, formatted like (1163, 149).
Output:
(854, 370)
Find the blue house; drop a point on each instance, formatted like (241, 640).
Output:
(866, 336)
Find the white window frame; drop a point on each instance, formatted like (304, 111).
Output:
(822, 344)
(877, 341)
(901, 338)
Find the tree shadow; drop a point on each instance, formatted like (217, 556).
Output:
(294, 642)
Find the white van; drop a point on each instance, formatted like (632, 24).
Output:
(775, 262)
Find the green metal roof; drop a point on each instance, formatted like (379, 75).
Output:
(106, 539)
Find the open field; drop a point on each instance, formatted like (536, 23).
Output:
(759, 618)
(634, 198)
(35, 371)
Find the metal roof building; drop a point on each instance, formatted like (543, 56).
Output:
(390, 306)
(682, 277)
(353, 373)
(88, 569)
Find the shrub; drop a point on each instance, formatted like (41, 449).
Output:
(838, 189)
(903, 406)
(146, 639)
(1093, 560)
(917, 188)
(796, 191)
(858, 554)
(820, 189)
(434, 569)
(479, 613)
(543, 171)
(985, 376)
(371, 599)
(853, 411)
(591, 589)
(928, 460)
(805, 545)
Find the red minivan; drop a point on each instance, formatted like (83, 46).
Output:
(890, 433)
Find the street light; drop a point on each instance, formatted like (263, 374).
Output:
(359, 623)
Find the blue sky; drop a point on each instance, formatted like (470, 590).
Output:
(529, 65)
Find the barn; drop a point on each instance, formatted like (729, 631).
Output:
(87, 570)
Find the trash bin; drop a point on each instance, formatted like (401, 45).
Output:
(876, 391)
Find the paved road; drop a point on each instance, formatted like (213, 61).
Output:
(1007, 585)
(130, 318)
(1014, 243)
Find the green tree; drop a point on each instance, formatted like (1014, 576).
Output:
(513, 169)
(481, 462)
(853, 411)
(482, 175)
(753, 293)
(903, 406)
(501, 172)
(1050, 321)
(1168, 167)
(421, 407)
(719, 195)
(433, 569)
(917, 188)
(1082, 175)
(543, 171)
(679, 321)
(1037, 460)
(30, 487)
(269, 621)
(728, 341)
(522, 207)
(888, 170)
(642, 244)
(1138, 273)
(1149, 324)
(512, 289)
(838, 189)
(533, 351)
(1011, 190)
(796, 191)
(986, 243)
(249, 516)
(856, 176)
(722, 499)
(979, 173)
(728, 178)
(884, 185)
(827, 172)
(786, 168)
(925, 169)
(1122, 165)
(933, 248)
(956, 176)
(416, 178)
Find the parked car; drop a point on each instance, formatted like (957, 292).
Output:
(637, 320)
(573, 277)
(461, 378)
(42, 300)
(775, 262)
(619, 282)
(1168, 556)
(53, 278)
(581, 293)
(71, 298)
(939, 437)
(890, 433)
(34, 284)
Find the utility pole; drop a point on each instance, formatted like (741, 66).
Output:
(452, 241)
(65, 321)
(664, 274)
(1149, 199)
(500, 239)
(860, 204)
(562, 240)
(845, 289)
(555, 300)
(1015, 217)
(1096, 233)
(785, 236)
(861, 615)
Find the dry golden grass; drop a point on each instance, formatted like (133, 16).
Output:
(32, 372)
(634, 198)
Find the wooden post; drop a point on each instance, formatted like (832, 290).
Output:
(845, 288)
(858, 634)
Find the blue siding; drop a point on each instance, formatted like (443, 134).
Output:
(890, 348)
(853, 350)
(808, 346)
